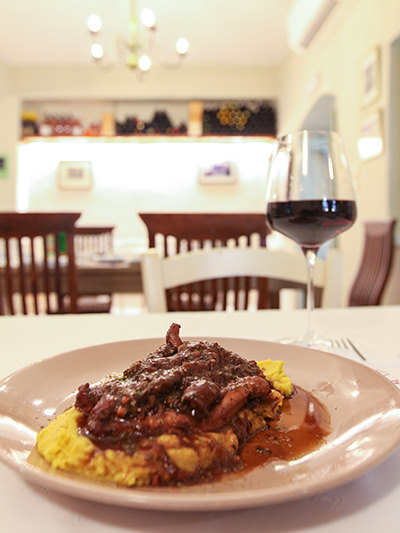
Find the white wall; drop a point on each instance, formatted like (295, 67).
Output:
(333, 66)
(134, 176)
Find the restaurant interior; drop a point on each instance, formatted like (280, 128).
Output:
(199, 266)
(144, 141)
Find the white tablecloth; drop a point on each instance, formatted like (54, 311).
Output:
(369, 503)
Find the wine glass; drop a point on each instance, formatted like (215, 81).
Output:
(310, 199)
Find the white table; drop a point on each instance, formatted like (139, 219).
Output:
(367, 504)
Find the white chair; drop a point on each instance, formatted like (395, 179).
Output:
(160, 274)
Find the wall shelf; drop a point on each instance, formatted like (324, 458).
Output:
(236, 118)
(145, 139)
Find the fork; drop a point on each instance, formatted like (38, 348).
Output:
(347, 344)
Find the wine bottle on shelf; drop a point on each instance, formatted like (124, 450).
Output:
(46, 128)
(77, 129)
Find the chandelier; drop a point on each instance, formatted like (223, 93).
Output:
(135, 49)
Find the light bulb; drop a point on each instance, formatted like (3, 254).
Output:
(148, 18)
(94, 23)
(144, 63)
(182, 46)
(97, 50)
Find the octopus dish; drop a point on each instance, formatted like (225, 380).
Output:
(182, 415)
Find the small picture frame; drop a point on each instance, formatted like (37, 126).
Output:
(370, 77)
(225, 173)
(371, 142)
(75, 175)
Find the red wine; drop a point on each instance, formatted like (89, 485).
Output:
(311, 222)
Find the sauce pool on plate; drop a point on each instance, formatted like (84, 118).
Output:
(302, 426)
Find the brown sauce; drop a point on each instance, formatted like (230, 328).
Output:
(303, 424)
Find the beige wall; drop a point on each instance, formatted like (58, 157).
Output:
(9, 127)
(122, 83)
(332, 66)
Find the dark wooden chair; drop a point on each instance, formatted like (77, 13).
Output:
(38, 271)
(173, 233)
(375, 264)
(94, 240)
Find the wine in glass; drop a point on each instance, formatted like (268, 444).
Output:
(310, 199)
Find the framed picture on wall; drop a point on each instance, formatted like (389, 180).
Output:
(370, 142)
(75, 175)
(220, 173)
(370, 77)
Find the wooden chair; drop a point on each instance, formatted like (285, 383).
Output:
(94, 240)
(173, 233)
(160, 274)
(375, 264)
(38, 271)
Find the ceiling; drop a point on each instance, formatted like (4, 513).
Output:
(220, 32)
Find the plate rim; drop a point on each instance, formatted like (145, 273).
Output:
(194, 501)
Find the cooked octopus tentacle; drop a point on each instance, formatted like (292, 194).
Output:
(172, 338)
(234, 399)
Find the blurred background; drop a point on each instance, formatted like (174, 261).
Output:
(153, 129)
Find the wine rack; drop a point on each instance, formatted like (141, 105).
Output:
(239, 118)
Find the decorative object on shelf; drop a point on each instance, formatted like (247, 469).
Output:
(239, 118)
(225, 173)
(137, 49)
(107, 125)
(370, 77)
(370, 143)
(75, 175)
(195, 127)
(29, 124)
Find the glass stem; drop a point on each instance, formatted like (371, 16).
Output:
(311, 258)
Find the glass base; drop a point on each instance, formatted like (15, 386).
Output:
(308, 341)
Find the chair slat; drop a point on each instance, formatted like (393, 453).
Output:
(21, 273)
(9, 284)
(46, 282)
(34, 285)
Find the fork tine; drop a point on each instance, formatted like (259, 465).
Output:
(345, 345)
(356, 350)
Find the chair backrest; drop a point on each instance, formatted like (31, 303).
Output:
(94, 240)
(160, 274)
(195, 230)
(173, 233)
(375, 265)
(37, 263)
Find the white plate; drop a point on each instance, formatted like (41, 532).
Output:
(364, 406)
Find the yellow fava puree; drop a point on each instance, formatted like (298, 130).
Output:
(64, 448)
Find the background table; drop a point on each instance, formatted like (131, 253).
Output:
(368, 503)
